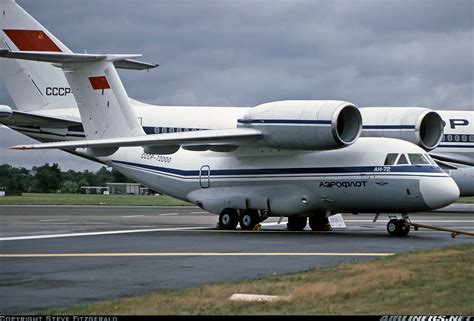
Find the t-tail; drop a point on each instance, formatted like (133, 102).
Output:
(32, 85)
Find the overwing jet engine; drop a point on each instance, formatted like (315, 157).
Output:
(305, 124)
(420, 126)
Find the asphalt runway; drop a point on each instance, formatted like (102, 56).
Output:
(55, 256)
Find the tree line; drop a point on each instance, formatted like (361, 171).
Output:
(50, 179)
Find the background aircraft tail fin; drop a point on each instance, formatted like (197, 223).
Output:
(32, 85)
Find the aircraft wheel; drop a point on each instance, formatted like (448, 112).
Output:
(248, 220)
(319, 223)
(228, 219)
(404, 228)
(398, 227)
(296, 223)
(393, 227)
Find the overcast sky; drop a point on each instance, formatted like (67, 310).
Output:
(243, 53)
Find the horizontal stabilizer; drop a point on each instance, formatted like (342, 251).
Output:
(19, 118)
(133, 64)
(120, 61)
(236, 136)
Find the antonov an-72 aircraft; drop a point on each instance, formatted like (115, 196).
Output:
(300, 159)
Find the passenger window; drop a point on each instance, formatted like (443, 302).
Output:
(402, 160)
(390, 160)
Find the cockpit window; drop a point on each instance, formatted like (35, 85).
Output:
(391, 158)
(418, 159)
(431, 160)
(403, 160)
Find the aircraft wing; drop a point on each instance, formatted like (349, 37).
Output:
(452, 158)
(236, 136)
(446, 165)
(19, 118)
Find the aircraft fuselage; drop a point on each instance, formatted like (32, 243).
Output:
(285, 183)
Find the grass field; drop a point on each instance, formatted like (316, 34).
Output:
(436, 282)
(90, 199)
(109, 200)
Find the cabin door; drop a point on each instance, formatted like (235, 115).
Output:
(205, 176)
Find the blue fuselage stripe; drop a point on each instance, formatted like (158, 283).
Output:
(457, 146)
(290, 171)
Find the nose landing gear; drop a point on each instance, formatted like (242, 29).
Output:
(398, 227)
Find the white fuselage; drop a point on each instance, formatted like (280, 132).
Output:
(287, 183)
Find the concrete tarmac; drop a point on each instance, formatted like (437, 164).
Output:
(55, 256)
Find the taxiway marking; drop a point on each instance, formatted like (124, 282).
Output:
(51, 236)
(158, 254)
(201, 229)
(55, 220)
(133, 216)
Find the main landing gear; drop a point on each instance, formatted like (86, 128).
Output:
(296, 223)
(317, 223)
(228, 219)
(398, 227)
(248, 219)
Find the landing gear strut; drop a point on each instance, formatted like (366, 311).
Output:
(398, 227)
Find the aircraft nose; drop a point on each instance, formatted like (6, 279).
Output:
(439, 192)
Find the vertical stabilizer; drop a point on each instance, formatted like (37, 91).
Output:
(32, 85)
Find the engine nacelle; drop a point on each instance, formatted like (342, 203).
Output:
(305, 124)
(420, 126)
(5, 111)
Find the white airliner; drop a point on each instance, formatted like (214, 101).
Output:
(453, 150)
(298, 159)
